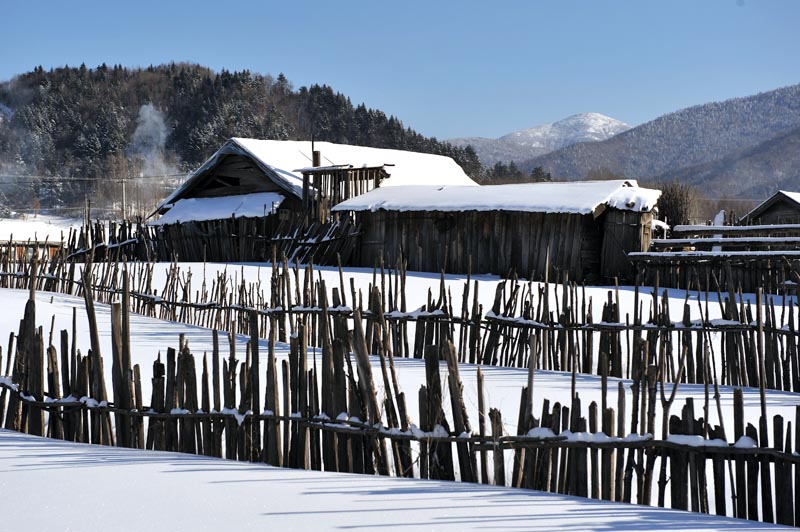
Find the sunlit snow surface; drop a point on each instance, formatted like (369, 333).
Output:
(209, 494)
(53, 485)
(39, 228)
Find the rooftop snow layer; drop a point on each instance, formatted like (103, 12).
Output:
(199, 209)
(794, 196)
(409, 168)
(281, 159)
(580, 197)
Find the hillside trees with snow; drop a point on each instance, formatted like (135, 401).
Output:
(78, 122)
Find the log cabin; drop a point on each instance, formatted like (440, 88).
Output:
(250, 190)
(781, 208)
(584, 230)
(253, 195)
(261, 177)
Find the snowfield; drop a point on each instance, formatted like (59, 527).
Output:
(87, 487)
(150, 336)
(211, 494)
(41, 227)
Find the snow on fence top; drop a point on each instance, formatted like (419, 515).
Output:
(241, 206)
(281, 160)
(581, 197)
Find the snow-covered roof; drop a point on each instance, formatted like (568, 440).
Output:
(281, 159)
(794, 196)
(579, 197)
(767, 203)
(409, 168)
(218, 208)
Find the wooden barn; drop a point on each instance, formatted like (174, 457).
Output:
(779, 209)
(586, 227)
(250, 192)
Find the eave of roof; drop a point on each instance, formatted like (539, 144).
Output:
(233, 147)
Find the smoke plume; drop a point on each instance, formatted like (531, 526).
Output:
(149, 140)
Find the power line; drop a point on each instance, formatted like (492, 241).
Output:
(18, 178)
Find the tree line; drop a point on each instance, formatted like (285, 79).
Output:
(96, 125)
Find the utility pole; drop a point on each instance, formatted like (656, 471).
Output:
(124, 202)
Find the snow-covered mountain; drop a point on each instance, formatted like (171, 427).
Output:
(538, 140)
(746, 147)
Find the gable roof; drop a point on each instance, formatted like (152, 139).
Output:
(281, 160)
(577, 197)
(790, 197)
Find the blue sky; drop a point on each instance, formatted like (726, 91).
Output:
(444, 68)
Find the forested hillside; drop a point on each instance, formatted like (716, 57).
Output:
(95, 125)
(698, 145)
(755, 172)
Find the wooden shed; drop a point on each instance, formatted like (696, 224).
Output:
(781, 208)
(586, 227)
(252, 191)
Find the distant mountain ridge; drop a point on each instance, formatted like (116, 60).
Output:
(739, 147)
(538, 140)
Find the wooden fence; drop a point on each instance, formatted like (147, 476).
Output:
(331, 418)
(253, 240)
(743, 257)
(229, 240)
(559, 317)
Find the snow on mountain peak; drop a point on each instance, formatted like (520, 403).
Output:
(544, 138)
(583, 127)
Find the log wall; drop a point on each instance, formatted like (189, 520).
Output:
(624, 232)
(580, 246)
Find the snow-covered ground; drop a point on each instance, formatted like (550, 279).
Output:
(503, 385)
(53, 485)
(40, 227)
(418, 284)
(216, 493)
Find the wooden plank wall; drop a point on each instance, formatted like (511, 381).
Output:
(256, 240)
(624, 232)
(233, 174)
(725, 257)
(334, 186)
(775, 275)
(231, 239)
(782, 212)
(495, 242)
